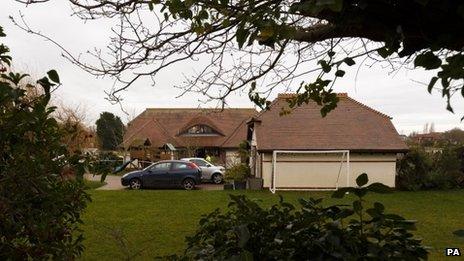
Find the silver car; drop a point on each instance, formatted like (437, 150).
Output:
(209, 172)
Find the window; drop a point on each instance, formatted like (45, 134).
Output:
(161, 166)
(179, 166)
(199, 163)
(200, 129)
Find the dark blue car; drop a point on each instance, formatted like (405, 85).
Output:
(164, 174)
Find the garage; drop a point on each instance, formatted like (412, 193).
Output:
(303, 150)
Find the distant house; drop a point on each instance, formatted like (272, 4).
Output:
(428, 139)
(162, 133)
(368, 135)
(90, 143)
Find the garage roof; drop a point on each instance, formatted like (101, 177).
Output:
(352, 125)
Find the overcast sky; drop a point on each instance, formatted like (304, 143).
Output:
(397, 95)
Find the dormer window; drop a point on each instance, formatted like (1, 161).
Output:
(200, 130)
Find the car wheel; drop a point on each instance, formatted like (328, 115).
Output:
(135, 184)
(217, 178)
(188, 184)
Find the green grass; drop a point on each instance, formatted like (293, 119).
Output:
(157, 221)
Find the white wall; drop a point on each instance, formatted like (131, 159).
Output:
(322, 170)
(232, 158)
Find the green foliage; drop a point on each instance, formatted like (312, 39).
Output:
(244, 151)
(110, 131)
(308, 29)
(413, 170)
(239, 172)
(454, 136)
(450, 70)
(313, 231)
(40, 200)
(316, 92)
(420, 170)
(446, 173)
(272, 24)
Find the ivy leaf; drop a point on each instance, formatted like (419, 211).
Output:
(357, 206)
(427, 60)
(360, 192)
(432, 83)
(203, 14)
(449, 108)
(339, 73)
(379, 188)
(53, 75)
(325, 66)
(362, 180)
(379, 207)
(385, 51)
(349, 61)
(241, 35)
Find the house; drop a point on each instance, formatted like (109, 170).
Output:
(427, 139)
(163, 133)
(368, 135)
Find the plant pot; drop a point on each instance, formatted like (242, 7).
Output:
(255, 183)
(239, 184)
(228, 186)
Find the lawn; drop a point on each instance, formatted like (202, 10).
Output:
(156, 222)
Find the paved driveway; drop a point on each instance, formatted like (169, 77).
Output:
(114, 183)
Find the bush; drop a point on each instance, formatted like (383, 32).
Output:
(312, 232)
(420, 170)
(413, 170)
(239, 172)
(447, 170)
(40, 200)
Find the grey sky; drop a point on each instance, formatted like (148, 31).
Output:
(397, 95)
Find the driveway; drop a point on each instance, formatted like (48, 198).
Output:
(114, 183)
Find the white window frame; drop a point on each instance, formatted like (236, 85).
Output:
(343, 153)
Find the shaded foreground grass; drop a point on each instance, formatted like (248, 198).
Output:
(155, 222)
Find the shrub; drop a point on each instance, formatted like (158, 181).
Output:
(312, 232)
(413, 170)
(420, 170)
(446, 172)
(239, 172)
(40, 202)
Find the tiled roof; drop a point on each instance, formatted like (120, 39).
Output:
(163, 125)
(352, 125)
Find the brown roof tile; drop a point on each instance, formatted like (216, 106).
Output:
(352, 125)
(163, 125)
